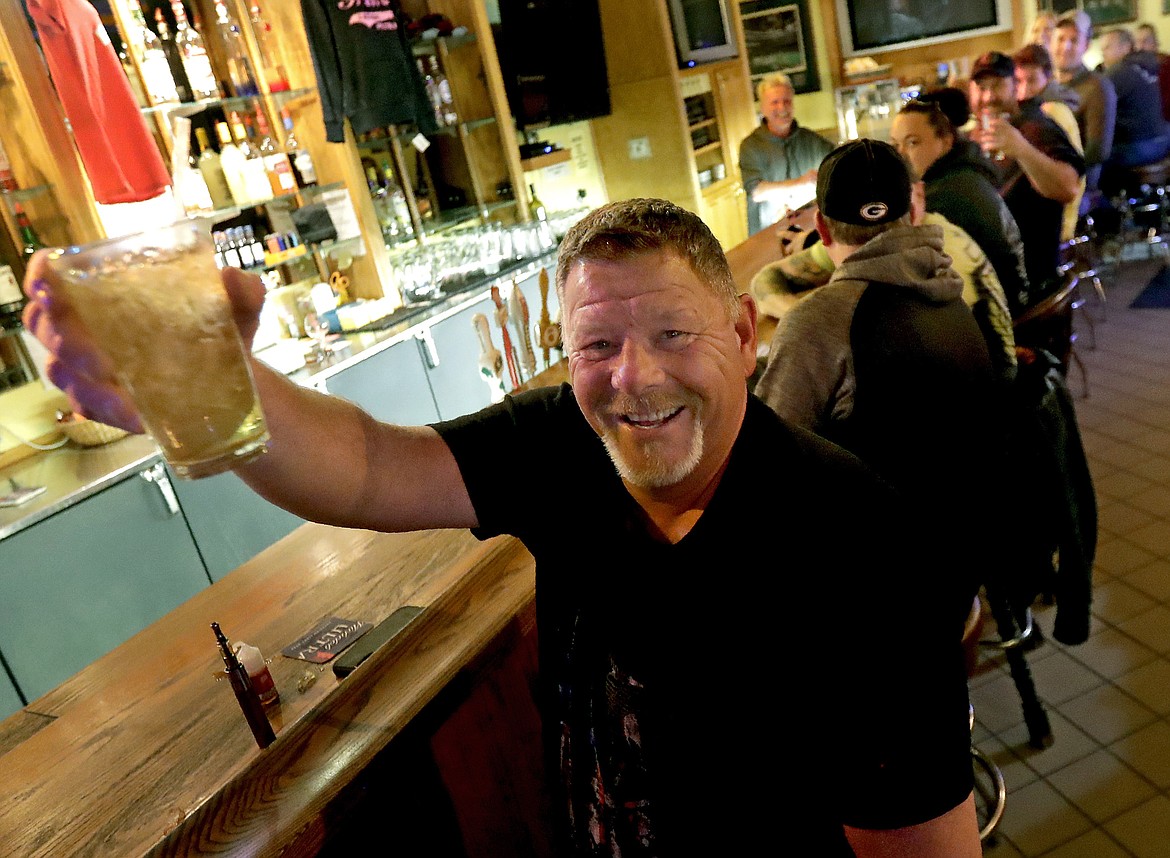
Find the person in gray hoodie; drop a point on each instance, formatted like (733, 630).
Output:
(887, 361)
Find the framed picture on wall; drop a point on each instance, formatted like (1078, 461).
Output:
(778, 37)
(1104, 13)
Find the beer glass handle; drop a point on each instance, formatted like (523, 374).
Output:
(157, 474)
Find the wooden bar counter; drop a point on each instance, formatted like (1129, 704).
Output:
(146, 752)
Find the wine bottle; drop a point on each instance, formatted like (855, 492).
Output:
(156, 72)
(212, 170)
(274, 74)
(302, 161)
(240, 72)
(194, 54)
(231, 161)
(170, 49)
(280, 173)
(245, 692)
(535, 206)
(30, 241)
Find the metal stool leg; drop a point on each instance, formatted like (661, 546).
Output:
(1012, 644)
(990, 789)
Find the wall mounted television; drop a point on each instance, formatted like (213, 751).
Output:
(552, 58)
(870, 26)
(703, 31)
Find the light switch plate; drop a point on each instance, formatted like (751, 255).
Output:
(639, 148)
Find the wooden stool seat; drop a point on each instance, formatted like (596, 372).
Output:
(1155, 174)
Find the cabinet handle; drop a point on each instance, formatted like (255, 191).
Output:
(157, 474)
(429, 349)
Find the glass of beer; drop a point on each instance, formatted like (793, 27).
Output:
(155, 304)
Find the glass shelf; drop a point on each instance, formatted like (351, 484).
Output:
(232, 211)
(312, 249)
(462, 216)
(382, 144)
(187, 108)
(429, 47)
(25, 193)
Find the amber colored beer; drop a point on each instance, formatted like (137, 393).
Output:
(155, 304)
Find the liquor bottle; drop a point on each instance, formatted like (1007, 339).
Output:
(446, 106)
(255, 173)
(280, 173)
(431, 86)
(274, 74)
(194, 54)
(245, 692)
(254, 243)
(535, 206)
(156, 72)
(302, 161)
(382, 207)
(192, 190)
(170, 49)
(30, 241)
(231, 161)
(12, 300)
(397, 202)
(7, 179)
(133, 77)
(240, 72)
(212, 170)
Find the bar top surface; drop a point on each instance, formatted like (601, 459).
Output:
(146, 751)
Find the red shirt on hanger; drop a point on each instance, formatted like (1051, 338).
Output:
(120, 156)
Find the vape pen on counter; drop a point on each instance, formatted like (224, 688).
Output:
(245, 692)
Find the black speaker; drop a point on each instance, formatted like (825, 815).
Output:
(552, 58)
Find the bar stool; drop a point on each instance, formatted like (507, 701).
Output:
(990, 788)
(1144, 205)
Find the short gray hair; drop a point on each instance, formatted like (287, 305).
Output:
(628, 228)
(771, 81)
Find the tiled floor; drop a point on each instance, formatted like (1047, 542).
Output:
(1103, 788)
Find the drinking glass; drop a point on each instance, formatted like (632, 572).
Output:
(155, 304)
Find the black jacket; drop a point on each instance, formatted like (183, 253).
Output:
(962, 187)
(1055, 505)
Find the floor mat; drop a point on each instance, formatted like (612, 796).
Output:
(1157, 292)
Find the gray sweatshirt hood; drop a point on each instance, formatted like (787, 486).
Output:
(909, 256)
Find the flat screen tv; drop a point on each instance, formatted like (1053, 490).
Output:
(871, 26)
(552, 59)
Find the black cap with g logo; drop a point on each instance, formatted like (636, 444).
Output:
(863, 182)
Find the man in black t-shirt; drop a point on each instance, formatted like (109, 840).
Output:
(1040, 169)
(680, 699)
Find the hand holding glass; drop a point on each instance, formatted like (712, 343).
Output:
(155, 304)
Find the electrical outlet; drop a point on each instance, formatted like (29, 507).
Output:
(639, 148)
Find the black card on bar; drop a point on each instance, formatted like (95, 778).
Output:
(326, 640)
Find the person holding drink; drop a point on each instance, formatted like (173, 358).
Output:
(657, 713)
(1040, 172)
(155, 302)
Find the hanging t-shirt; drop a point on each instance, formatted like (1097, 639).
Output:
(365, 70)
(119, 154)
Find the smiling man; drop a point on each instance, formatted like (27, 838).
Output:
(778, 161)
(666, 594)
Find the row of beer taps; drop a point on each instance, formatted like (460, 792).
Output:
(518, 357)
